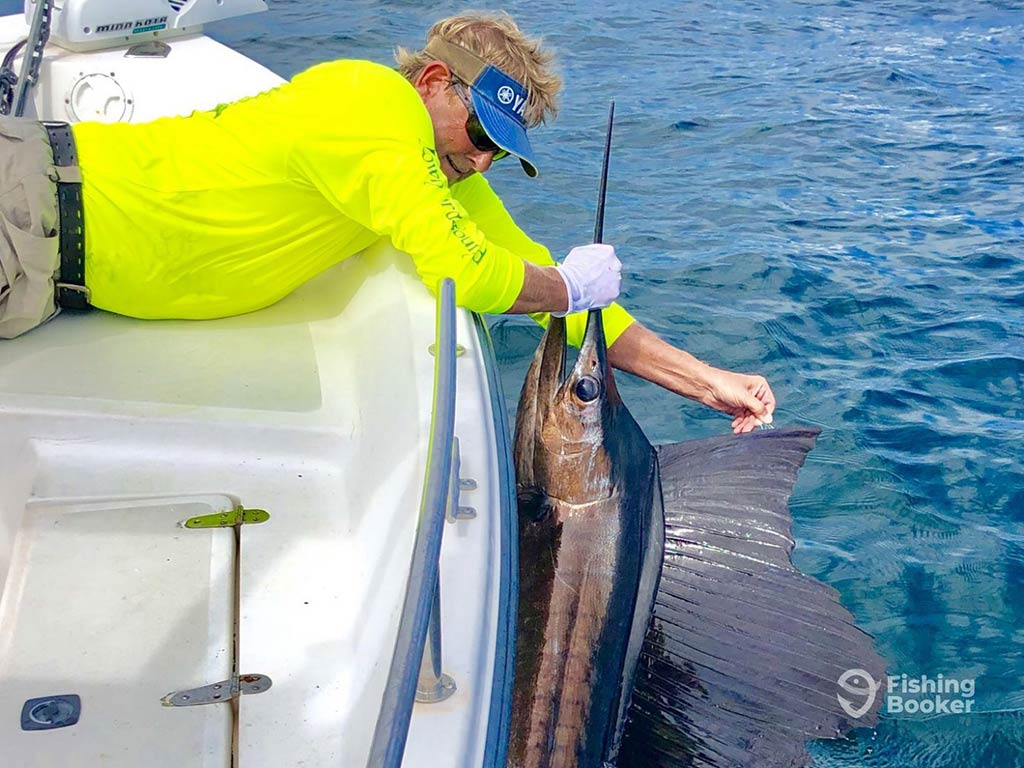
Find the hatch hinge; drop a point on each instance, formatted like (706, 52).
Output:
(215, 693)
(228, 518)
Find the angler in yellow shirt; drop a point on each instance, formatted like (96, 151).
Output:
(227, 211)
(250, 200)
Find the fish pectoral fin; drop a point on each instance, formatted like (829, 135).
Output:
(741, 662)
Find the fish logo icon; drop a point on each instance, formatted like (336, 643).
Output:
(860, 683)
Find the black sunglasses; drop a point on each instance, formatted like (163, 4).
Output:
(477, 135)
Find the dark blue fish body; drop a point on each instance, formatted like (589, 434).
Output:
(588, 551)
(661, 621)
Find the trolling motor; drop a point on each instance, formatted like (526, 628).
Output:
(82, 25)
(91, 25)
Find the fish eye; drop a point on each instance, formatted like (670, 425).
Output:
(587, 389)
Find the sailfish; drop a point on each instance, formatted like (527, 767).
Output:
(661, 621)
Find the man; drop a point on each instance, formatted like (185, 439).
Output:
(227, 211)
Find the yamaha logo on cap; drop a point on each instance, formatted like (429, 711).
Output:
(504, 92)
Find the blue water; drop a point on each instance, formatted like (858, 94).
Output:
(828, 193)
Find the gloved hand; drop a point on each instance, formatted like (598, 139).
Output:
(592, 276)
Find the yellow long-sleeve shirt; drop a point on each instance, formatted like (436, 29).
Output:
(227, 211)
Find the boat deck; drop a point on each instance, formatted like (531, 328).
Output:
(114, 431)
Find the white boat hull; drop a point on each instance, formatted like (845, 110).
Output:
(113, 431)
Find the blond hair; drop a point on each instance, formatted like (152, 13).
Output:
(496, 39)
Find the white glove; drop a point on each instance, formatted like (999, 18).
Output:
(592, 276)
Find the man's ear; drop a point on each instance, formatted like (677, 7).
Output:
(433, 77)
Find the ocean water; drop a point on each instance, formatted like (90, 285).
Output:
(828, 193)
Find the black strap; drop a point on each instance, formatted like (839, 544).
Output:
(71, 291)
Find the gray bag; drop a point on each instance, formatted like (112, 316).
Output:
(29, 256)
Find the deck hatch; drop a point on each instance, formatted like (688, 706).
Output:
(111, 600)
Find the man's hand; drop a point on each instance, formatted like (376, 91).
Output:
(589, 277)
(592, 276)
(747, 398)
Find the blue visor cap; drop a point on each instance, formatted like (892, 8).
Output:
(500, 104)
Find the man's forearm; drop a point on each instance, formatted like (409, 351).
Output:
(543, 291)
(639, 351)
(746, 397)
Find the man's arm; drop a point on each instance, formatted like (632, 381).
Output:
(543, 291)
(637, 350)
(748, 398)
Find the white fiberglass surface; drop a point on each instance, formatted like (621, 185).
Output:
(221, 365)
(333, 448)
(322, 580)
(114, 602)
(316, 409)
